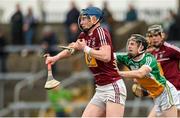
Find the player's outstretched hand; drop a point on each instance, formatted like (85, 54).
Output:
(50, 59)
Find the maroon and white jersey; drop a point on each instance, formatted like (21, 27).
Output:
(169, 57)
(103, 72)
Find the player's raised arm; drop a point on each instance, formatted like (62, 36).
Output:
(63, 54)
(140, 73)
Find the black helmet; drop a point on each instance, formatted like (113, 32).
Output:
(139, 39)
(154, 30)
(90, 11)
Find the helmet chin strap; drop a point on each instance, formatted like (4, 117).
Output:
(137, 55)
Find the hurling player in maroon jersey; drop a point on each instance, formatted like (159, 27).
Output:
(167, 55)
(95, 42)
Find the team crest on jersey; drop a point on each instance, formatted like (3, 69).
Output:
(90, 61)
(159, 55)
(91, 42)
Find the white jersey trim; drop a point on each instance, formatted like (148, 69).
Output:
(163, 59)
(102, 36)
(172, 46)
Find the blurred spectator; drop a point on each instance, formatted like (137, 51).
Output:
(174, 29)
(3, 54)
(90, 4)
(59, 99)
(131, 14)
(29, 27)
(107, 20)
(17, 26)
(169, 20)
(71, 25)
(49, 40)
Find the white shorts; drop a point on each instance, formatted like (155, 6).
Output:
(114, 92)
(178, 105)
(168, 98)
(176, 94)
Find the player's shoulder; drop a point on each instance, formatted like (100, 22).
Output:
(82, 34)
(100, 31)
(149, 56)
(169, 46)
(121, 54)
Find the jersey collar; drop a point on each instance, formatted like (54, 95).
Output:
(142, 56)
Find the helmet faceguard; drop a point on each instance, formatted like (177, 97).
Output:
(141, 40)
(88, 12)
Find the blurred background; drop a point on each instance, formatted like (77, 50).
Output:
(30, 28)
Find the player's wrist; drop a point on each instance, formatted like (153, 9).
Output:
(56, 58)
(87, 49)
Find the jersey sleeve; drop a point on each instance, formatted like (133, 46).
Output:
(103, 36)
(175, 52)
(150, 62)
(81, 35)
(121, 57)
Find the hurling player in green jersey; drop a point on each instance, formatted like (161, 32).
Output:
(144, 68)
